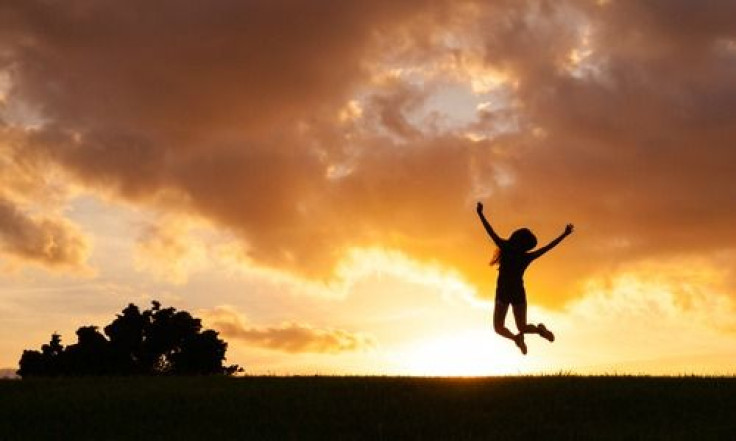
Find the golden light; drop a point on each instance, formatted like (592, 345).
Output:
(485, 79)
(350, 112)
(472, 352)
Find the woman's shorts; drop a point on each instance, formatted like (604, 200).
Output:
(512, 296)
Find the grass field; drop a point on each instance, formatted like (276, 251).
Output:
(370, 408)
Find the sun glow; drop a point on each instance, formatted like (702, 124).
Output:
(466, 353)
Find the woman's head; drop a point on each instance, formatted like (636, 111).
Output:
(523, 240)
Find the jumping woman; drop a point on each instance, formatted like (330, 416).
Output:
(513, 256)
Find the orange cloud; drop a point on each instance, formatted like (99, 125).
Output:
(677, 316)
(170, 251)
(50, 242)
(232, 111)
(288, 337)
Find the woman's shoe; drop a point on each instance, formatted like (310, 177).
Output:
(545, 333)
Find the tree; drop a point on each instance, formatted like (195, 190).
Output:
(157, 341)
(44, 363)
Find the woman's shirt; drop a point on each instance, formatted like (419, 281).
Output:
(511, 267)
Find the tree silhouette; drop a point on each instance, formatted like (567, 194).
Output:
(46, 362)
(157, 341)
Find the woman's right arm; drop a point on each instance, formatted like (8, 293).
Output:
(489, 229)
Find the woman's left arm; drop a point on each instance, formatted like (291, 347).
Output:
(539, 252)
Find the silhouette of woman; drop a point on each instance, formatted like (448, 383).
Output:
(513, 256)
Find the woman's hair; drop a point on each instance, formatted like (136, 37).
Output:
(521, 240)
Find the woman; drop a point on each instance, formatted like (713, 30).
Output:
(513, 256)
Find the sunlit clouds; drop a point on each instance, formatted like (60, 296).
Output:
(315, 164)
(672, 317)
(46, 241)
(287, 337)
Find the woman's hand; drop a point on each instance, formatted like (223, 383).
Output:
(479, 208)
(569, 229)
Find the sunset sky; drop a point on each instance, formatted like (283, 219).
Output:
(303, 174)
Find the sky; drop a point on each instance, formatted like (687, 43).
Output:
(303, 174)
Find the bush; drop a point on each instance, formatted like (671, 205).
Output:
(157, 341)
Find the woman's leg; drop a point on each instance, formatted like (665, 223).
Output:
(499, 318)
(520, 318)
(526, 328)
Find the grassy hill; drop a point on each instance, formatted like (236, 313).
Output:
(369, 408)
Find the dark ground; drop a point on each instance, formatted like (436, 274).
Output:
(370, 408)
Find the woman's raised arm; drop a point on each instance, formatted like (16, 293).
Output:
(537, 253)
(489, 229)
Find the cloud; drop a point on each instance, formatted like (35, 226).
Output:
(615, 115)
(170, 250)
(50, 242)
(33, 197)
(288, 337)
(675, 317)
